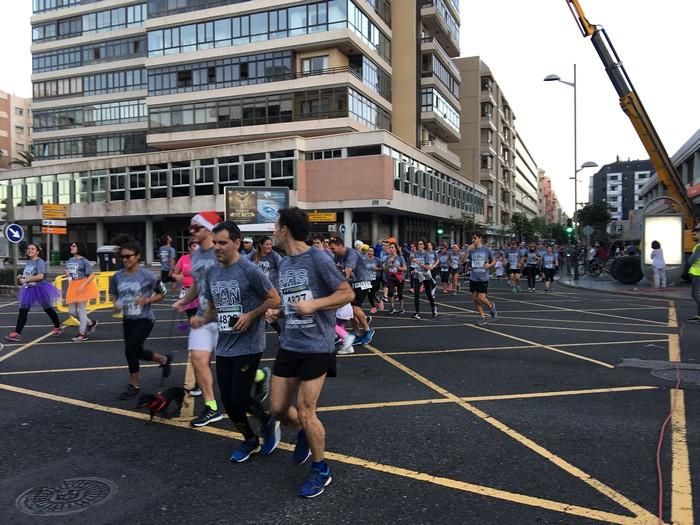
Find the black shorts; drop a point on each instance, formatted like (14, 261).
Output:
(549, 273)
(305, 366)
(515, 270)
(454, 271)
(478, 286)
(360, 296)
(444, 275)
(165, 276)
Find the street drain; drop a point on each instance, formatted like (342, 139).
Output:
(69, 497)
(686, 375)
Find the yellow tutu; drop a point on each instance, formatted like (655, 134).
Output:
(76, 295)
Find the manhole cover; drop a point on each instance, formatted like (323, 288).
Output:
(70, 496)
(670, 374)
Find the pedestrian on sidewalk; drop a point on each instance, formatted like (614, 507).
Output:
(658, 265)
(694, 272)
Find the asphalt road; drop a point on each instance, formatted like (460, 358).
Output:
(529, 419)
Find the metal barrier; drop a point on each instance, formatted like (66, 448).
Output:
(100, 303)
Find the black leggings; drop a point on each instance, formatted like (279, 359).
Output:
(428, 284)
(531, 272)
(135, 333)
(395, 286)
(22, 318)
(372, 295)
(236, 376)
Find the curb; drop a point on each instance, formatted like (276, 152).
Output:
(623, 291)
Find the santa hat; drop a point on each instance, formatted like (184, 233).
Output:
(207, 219)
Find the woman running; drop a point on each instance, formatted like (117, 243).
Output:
(374, 266)
(35, 290)
(456, 260)
(530, 263)
(133, 290)
(182, 273)
(422, 263)
(550, 264)
(444, 261)
(81, 289)
(395, 269)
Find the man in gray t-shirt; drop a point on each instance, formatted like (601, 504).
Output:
(167, 256)
(238, 295)
(479, 261)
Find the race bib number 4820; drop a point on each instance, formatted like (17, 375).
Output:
(227, 319)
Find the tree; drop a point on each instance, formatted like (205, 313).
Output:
(540, 227)
(595, 214)
(522, 227)
(24, 159)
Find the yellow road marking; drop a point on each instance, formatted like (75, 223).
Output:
(674, 348)
(546, 347)
(681, 485)
(570, 329)
(24, 347)
(672, 316)
(615, 496)
(514, 497)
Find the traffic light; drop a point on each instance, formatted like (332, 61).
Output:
(569, 227)
(440, 229)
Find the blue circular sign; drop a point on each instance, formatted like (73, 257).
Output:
(14, 233)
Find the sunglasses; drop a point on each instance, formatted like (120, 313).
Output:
(127, 255)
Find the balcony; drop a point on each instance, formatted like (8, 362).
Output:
(439, 150)
(439, 22)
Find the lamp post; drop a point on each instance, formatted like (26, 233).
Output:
(557, 78)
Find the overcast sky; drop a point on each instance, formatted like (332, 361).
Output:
(522, 42)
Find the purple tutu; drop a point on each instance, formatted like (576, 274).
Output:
(44, 294)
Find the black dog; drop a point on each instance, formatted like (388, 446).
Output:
(164, 403)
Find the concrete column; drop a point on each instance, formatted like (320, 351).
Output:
(149, 241)
(374, 230)
(347, 221)
(100, 232)
(452, 236)
(395, 227)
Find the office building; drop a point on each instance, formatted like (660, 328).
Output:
(15, 128)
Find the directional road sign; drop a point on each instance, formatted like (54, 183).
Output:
(14, 233)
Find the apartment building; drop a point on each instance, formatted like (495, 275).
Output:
(526, 180)
(15, 127)
(487, 146)
(619, 184)
(145, 111)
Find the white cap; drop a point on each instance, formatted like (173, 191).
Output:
(358, 244)
(247, 239)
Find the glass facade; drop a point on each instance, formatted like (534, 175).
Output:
(89, 54)
(158, 8)
(432, 100)
(268, 25)
(109, 20)
(90, 146)
(97, 84)
(121, 112)
(446, 15)
(432, 65)
(272, 109)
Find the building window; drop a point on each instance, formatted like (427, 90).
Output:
(19, 111)
(19, 130)
(314, 65)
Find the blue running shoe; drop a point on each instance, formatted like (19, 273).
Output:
(245, 450)
(316, 483)
(492, 311)
(370, 336)
(302, 452)
(271, 436)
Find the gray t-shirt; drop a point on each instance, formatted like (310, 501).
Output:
(373, 267)
(309, 275)
(455, 259)
(166, 254)
(444, 258)
(269, 265)
(418, 259)
(127, 287)
(550, 260)
(514, 259)
(32, 268)
(235, 290)
(360, 276)
(478, 259)
(532, 259)
(202, 260)
(78, 268)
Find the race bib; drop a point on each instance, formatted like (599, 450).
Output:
(290, 299)
(132, 309)
(228, 317)
(183, 292)
(363, 285)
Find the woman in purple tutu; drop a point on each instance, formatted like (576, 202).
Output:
(35, 290)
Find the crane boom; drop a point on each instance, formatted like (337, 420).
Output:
(634, 109)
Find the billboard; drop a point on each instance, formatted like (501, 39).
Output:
(255, 209)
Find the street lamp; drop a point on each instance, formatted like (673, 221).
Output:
(557, 78)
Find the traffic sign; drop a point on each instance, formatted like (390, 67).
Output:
(54, 222)
(316, 216)
(54, 230)
(13, 233)
(54, 211)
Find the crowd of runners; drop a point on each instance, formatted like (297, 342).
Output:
(313, 297)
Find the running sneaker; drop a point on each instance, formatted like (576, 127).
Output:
(492, 311)
(337, 340)
(695, 318)
(373, 310)
(207, 416)
(435, 314)
(531, 290)
(369, 320)
(348, 341)
(482, 321)
(302, 452)
(79, 338)
(195, 391)
(92, 326)
(13, 337)
(402, 311)
(345, 351)
(364, 338)
(130, 392)
(246, 449)
(262, 388)
(393, 311)
(316, 483)
(271, 436)
(165, 367)
(416, 316)
(370, 336)
(57, 330)
(380, 306)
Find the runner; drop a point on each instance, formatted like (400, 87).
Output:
(422, 263)
(550, 265)
(530, 263)
(374, 267)
(311, 290)
(81, 289)
(268, 261)
(349, 262)
(456, 261)
(183, 274)
(513, 259)
(694, 272)
(35, 290)
(444, 264)
(132, 290)
(167, 256)
(480, 261)
(237, 296)
(395, 269)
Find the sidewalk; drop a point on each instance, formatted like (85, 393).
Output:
(605, 283)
